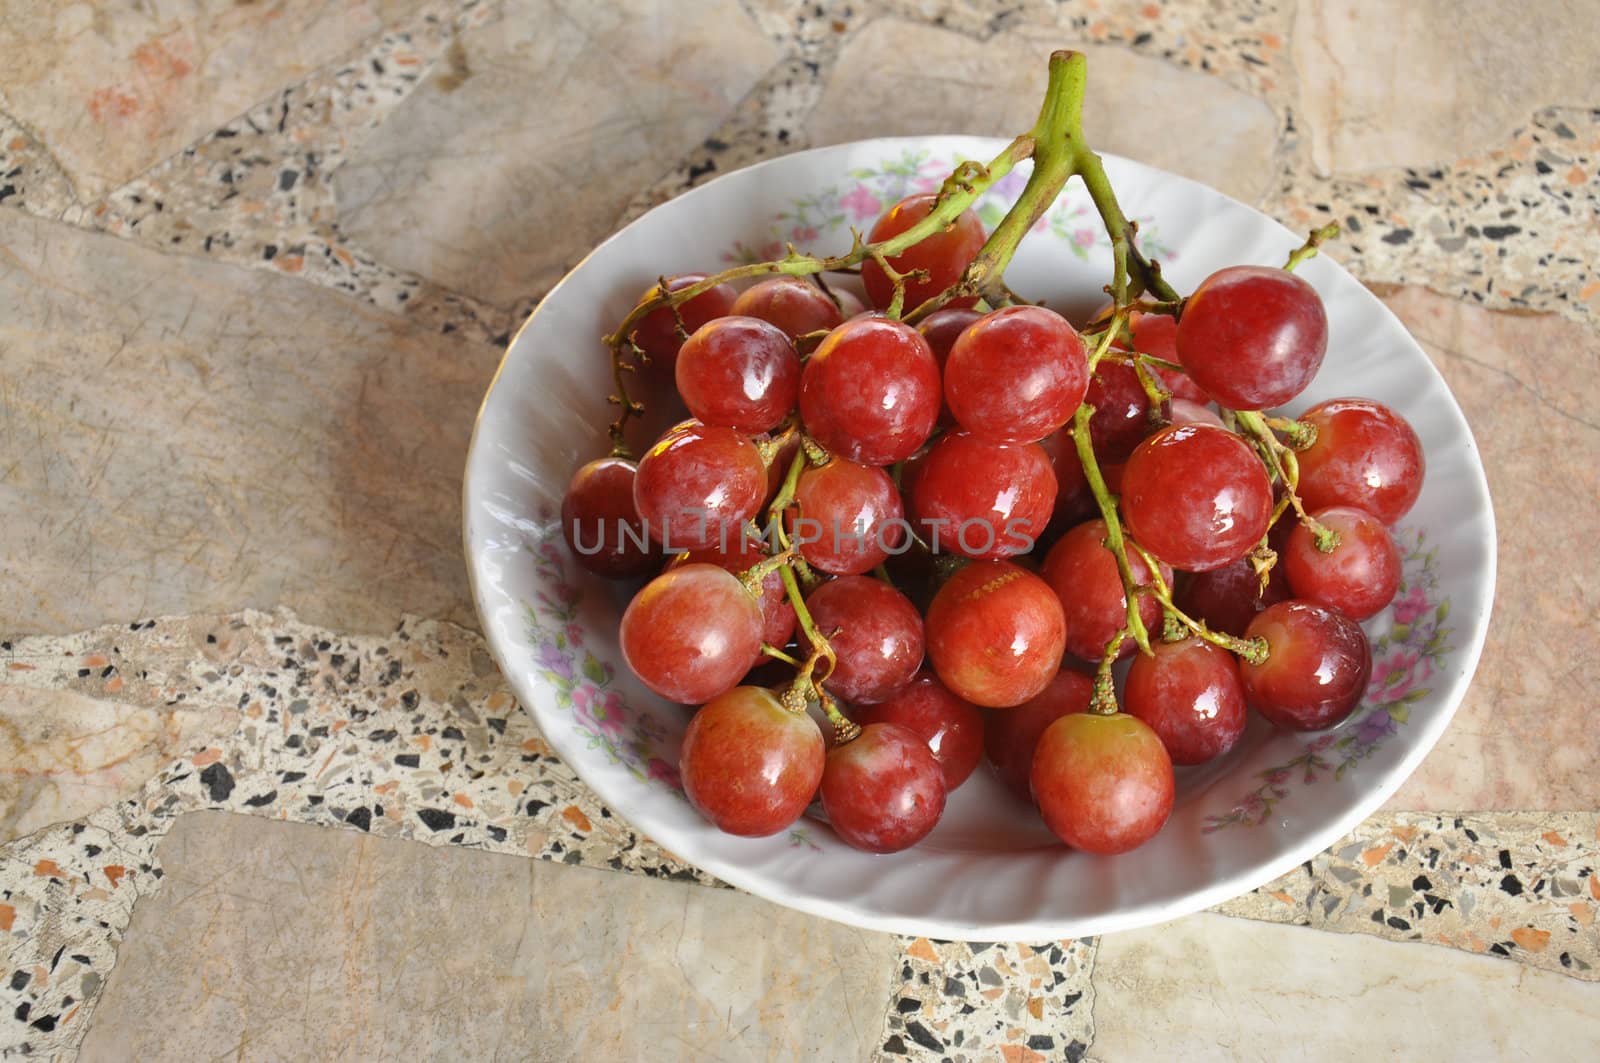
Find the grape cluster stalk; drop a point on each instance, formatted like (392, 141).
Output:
(1108, 422)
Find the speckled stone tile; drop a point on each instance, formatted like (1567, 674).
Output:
(1206, 987)
(966, 1002)
(115, 88)
(224, 438)
(271, 940)
(544, 182)
(1445, 79)
(1524, 736)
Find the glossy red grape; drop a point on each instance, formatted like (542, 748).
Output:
(945, 254)
(749, 765)
(1104, 784)
(691, 633)
(1157, 335)
(601, 524)
(1365, 455)
(1228, 598)
(1016, 375)
(884, 791)
(995, 634)
(1121, 415)
(874, 630)
(952, 728)
(1358, 577)
(657, 332)
(744, 553)
(870, 392)
(1316, 670)
(1190, 694)
(849, 517)
(794, 305)
(1010, 736)
(941, 328)
(982, 499)
(1082, 571)
(698, 485)
(1253, 336)
(1196, 497)
(739, 372)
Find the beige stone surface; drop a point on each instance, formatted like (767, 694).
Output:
(1210, 987)
(895, 78)
(113, 88)
(280, 941)
(178, 436)
(1524, 738)
(1428, 81)
(495, 184)
(63, 755)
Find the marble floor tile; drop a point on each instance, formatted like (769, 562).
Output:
(114, 88)
(1209, 987)
(498, 199)
(279, 941)
(1414, 84)
(223, 437)
(896, 77)
(1524, 736)
(65, 754)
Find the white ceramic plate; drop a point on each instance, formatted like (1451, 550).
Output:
(990, 871)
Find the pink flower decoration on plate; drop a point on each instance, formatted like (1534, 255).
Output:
(1410, 605)
(861, 204)
(599, 710)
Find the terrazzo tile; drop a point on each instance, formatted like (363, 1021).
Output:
(224, 438)
(1523, 737)
(966, 1002)
(278, 941)
(112, 89)
(894, 77)
(1442, 80)
(1208, 987)
(544, 183)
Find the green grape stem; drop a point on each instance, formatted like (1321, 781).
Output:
(1316, 239)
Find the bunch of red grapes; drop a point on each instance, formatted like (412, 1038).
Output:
(938, 574)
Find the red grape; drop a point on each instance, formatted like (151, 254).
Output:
(1121, 411)
(601, 524)
(1316, 669)
(850, 517)
(1157, 335)
(1016, 375)
(1358, 577)
(870, 392)
(1253, 336)
(941, 328)
(884, 790)
(952, 728)
(874, 630)
(698, 485)
(1186, 412)
(1196, 497)
(982, 499)
(691, 633)
(945, 255)
(1011, 736)
(995, 634)
(739, 372)
(1190, 694)
(1104, 784)
(1074, 499)
(1365, 455)
(657, 332)
(1228, 598)
(794, 305)
(1082, 571)
(749, 765)
(743, 553)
